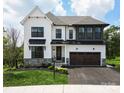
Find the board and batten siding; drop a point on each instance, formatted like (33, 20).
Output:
(62, 33)
(37, 22)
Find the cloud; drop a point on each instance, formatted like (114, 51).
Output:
(56, 6)
(15, 10)
(95, 8)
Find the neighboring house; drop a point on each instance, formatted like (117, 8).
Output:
(72, 40)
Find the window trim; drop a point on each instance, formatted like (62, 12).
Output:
(81, 33)
(37, 33)
(34, 52)
(57, 36)
(71, 32)
(100, 33)
(91, 29)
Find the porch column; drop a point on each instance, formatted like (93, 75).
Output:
(65, 54)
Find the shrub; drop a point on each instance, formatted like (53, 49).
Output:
(117, 67)
(46, 64)
(63, 70)
(65, 66)
(51, 67)
(9, 69)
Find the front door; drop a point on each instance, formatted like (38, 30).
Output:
(58, 53)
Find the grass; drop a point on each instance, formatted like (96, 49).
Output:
(32, 77)
(114, 62)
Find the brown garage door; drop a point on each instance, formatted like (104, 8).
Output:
(85, 58)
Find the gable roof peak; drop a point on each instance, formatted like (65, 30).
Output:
(35, 8)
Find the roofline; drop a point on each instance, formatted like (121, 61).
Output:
(36, 7)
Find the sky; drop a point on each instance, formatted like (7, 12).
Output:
(105, 10)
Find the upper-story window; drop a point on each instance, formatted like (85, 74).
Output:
(89, 33)
(81, 34)
(37, 31)
(97, 33)
(58, 33)
(70, 34)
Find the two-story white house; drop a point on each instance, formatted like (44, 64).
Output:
(72, 40)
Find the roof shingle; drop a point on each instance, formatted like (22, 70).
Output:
(74, 20)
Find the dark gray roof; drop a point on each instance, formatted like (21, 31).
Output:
(74, 20)
(54, 19)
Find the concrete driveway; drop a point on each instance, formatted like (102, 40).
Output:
(94, 76)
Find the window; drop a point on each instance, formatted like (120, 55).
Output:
(58, 33)
(37, 51)
(89, 33)
(97, 33)
(37, 31)
(70, 34)
(81, 34)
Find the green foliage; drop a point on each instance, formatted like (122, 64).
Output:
(51, 67)
(62, 70)
(112, 39)
(114, 62)
(117, 67)
(46, 64)
(12, 55)
(57, 69)
(9, 69)
(32, 77)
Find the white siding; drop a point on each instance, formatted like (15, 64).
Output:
(37, 22)
(67, 32)
(54, 32)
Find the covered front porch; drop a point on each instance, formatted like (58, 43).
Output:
(59, 53)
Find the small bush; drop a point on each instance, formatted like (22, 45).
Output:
(63, 70)
(46, 65)
(9, 69)
(51, 67)
(117, 67)
(65, 66)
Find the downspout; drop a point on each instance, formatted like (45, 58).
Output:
(65, 45)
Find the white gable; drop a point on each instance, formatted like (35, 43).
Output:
(36, 12)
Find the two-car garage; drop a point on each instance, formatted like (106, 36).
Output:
(85, 58)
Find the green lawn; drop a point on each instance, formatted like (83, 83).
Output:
(32, 77)
(115, 62)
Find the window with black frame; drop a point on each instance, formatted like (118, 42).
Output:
(81, 33)
(37, 31)
(97, 33)
(37, 52)
(89, 33)
(70, 34)
(58, 33)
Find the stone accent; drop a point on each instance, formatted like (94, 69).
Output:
(103, 62)
(35, 62)
(67, 61)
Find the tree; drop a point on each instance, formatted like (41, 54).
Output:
(112, 39)
(12, 53)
